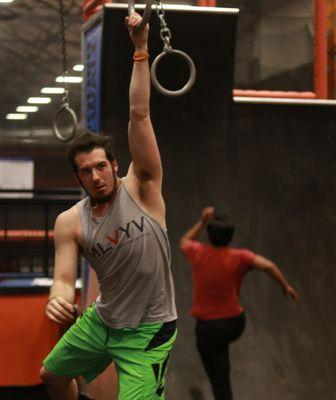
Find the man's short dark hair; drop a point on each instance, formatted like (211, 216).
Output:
(220, 230)
(86, 141)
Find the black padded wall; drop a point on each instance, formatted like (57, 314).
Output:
(272, 168)
(188, 130)
(284, 203)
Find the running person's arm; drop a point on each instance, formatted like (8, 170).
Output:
(60, 307)
(196, 229)
(270, 268)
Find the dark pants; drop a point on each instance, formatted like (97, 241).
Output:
(213, 340)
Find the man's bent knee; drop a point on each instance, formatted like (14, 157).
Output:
(51, 379)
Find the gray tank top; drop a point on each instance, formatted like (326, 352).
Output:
(130, 253)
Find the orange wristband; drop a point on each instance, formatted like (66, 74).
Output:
(140, 56)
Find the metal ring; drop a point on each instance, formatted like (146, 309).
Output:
(186, 87)
(65, 107)
(146, 14)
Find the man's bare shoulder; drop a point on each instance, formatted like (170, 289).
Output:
(68, 222)
(68, 216)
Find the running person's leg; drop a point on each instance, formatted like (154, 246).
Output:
(216, 363)
(213, 339)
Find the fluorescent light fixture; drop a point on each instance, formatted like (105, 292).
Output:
(78, 67)
(26, 109)
(4, 2)
(52, 90)
(15, 116)
(39, 100)
(69, 79)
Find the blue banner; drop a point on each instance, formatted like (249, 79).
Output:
(92, 71)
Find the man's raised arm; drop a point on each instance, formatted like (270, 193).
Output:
(146, 161)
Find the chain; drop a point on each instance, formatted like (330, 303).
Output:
(64, 55)
(165, 33)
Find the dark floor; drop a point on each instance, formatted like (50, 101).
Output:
(24, 393)
(27, 393)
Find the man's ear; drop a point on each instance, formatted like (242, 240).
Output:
(115, 166)
(79, 179)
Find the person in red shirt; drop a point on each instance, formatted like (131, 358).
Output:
(218, 272)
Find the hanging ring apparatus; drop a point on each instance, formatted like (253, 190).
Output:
(145, 16)
(65, 107)
(166, 36)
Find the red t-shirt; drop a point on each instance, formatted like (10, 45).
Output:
(217, 274)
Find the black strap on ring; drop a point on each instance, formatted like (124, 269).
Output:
(173, 93)
(146, 14)
(65, 109)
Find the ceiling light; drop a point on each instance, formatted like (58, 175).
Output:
(52, 90)
(16, 116)
(69, 79)
(6, 1)
(26, 109)
(39, 100)
(78, 67)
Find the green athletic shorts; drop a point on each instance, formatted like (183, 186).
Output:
(140, 354)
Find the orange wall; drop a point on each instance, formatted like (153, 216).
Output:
(26, 338)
